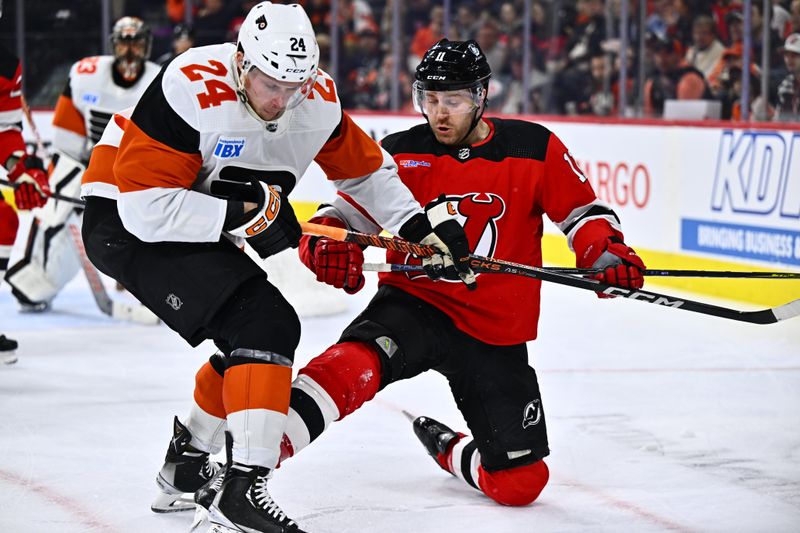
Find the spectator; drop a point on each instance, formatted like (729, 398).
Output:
(794, 13)
(509, 20)
(211, 24)
(706, 49)
(386, 77)
(731, 59)
(589, 33)
(427, 36)
(489, 40)
(466, 23)
(721, 9)
(674, 78)
(363, 62)
(734, 21)
(182, 40)
(788, 108)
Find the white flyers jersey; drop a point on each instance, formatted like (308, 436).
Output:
(93, 93)
(190, 129)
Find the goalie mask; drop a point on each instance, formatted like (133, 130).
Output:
(131, 42)
(279, 50)
(453, 75)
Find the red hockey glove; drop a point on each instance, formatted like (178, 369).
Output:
(619, 262)
(334, 262)
(32, 188)
(339, 264)
(438, 227)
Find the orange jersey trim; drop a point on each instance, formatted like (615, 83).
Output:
(68, 117)
(208, 391)
(351, 154)
(101, 165)
(144, 163)
(257, 386)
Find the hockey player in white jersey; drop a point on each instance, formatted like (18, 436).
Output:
(97, 87)
(206, 162)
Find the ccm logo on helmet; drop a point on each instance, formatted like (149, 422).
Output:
(295, 70)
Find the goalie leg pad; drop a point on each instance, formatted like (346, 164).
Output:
(49, 263)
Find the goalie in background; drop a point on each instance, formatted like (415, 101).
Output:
(498, 177)
(97, 87)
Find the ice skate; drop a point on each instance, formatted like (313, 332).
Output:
(436, 437)
(8, 349)
(204, 497)
(243, 503)
(185, 470)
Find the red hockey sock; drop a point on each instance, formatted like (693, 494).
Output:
(328, 388)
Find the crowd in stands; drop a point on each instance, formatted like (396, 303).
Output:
(694, 50)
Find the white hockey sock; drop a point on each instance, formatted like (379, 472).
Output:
(311, 411)
(463, 461)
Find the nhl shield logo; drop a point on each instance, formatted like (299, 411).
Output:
(531, 415)
(174, 302)
(463, 153)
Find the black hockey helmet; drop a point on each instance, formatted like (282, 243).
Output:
(453, 65)
(132, 29)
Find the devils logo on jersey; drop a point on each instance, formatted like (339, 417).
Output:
(478, 212)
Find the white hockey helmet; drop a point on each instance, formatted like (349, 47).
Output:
(279, 41)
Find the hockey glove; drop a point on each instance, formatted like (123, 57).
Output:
(31, 186)
(269, 228)
(437, 227)
(619, 262)
(334, 262)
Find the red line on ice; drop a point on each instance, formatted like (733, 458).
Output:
(70, 505)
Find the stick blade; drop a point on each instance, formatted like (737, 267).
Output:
(786, 311)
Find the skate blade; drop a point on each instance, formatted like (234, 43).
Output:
(200, 518)
(8, 359)
(172, 503)
(219, 523)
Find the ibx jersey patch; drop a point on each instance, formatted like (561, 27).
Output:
(228, 148)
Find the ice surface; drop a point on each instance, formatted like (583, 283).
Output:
(659, 420)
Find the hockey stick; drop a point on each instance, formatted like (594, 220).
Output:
(383, 267)
(55, 195)
(485, 264)
(113, 308)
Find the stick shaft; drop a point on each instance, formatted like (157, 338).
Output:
(498, 266)
(382, 267)
(57, 196)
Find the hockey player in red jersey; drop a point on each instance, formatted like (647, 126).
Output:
(499, 177)
(203, 165)
(23, 171)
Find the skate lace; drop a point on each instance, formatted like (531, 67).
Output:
(265, 501)
(210, 468)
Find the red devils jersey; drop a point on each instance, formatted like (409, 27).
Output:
(500, 187)
(10, 105)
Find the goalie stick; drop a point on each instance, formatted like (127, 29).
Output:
(481, 264)
(113, 308)
(384, 267)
